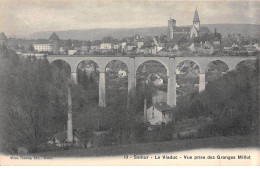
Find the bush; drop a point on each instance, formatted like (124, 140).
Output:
(140, 133)
(208, 130)
(166, 132)
(105, 139)
(207, 127)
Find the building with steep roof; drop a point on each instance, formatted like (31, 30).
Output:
(3, 36)
(3, 40)
(55, 41)
(54, 36)
(159, 113)
(61, 140)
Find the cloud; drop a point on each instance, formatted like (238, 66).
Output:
(28, 16)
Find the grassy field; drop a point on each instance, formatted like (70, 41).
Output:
(159, 147)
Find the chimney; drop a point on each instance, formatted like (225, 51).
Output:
(69, 127)
(145, 111)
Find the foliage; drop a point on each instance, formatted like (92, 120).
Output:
(144, 91)
(33, 101)
(206, 37)
(31, 48)
(105, 139)
(166, 132)
(108, 39)
(231, 101)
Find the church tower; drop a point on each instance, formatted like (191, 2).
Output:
(196, 20)
(171, 25)
(196, 25)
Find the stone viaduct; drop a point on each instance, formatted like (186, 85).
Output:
(134, 61)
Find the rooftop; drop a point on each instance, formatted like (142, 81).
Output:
(62, 136)
(204, 29)
(182, 29)
(54, 36)
(3, 36)
(196, 16)
(162, 106)
(171, 19)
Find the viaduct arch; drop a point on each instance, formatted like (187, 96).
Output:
(104, 79)
(134, 61)
(216, 61)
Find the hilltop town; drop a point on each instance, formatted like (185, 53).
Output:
(177, 41)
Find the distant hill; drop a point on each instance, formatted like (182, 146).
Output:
(97, 34)
(243, 29)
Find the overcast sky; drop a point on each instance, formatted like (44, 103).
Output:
(18, 17)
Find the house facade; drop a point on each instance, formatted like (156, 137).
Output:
(159, 113)
(106, 46)
(43, 47)
(122, 73)
(158, 81)
(72, 52)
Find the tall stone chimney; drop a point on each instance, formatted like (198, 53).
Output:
(145, 111)
(69, 124)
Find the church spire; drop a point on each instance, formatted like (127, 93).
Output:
(196, 16)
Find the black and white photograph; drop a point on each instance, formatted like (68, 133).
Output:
(141, 82)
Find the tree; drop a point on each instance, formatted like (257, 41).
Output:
(144, 91)
(68, 43)
(91, 80)
(231, 101)
(108, 39)
(85, 81)
(31, 48)
(33, 99)
(182, 40)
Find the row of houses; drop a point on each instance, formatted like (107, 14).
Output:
(147, 45)
(250, 48)
(132, 45)
(144, 45)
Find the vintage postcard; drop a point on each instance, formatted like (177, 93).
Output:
(135, 82)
